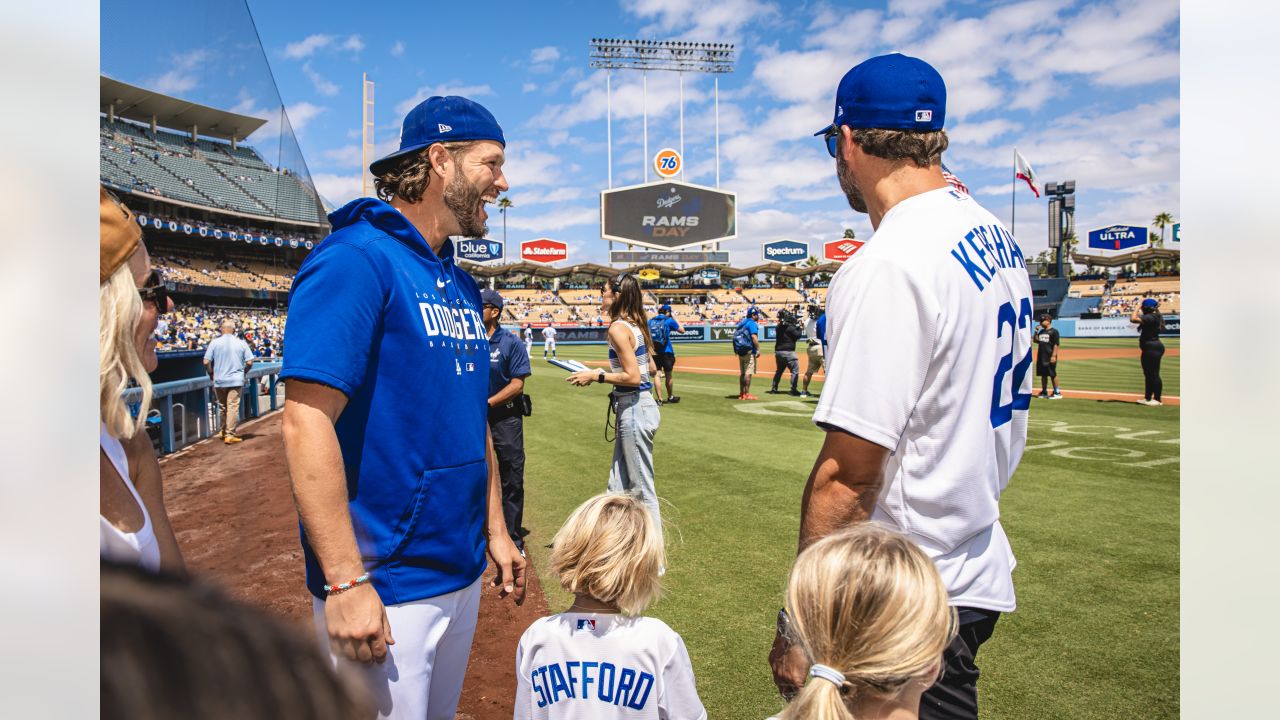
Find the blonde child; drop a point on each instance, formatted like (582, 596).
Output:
(601, 659)
(870, 611)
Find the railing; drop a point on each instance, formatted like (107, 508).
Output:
(195, 400)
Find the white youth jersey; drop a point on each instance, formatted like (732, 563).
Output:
(929, 347)
(600, 666)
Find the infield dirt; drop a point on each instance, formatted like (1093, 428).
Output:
(232, 511)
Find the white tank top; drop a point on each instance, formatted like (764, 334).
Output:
(137, 548)
(642, 357)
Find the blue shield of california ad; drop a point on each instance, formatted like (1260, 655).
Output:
(785, 251)
(479, 250)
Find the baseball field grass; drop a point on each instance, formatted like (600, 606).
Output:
(1092, 514)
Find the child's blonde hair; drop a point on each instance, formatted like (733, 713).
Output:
(870, 604)
(610, 549)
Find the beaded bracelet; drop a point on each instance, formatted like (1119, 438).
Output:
(343, 587)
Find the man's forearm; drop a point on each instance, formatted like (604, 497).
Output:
(841, 491)
(319, 483)
(512, 389)
(495, 522)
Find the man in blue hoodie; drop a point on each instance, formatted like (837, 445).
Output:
(385, 424)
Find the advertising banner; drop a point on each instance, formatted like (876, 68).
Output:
(479, 250)
(689, 333)
(1118, 237)
(841, 250)
(786, 251)
(693, 257)
(543, 250)
(1120, 326)
(668, 215)
(667, 163)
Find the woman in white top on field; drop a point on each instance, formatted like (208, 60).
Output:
(133, 525)
(630, 372)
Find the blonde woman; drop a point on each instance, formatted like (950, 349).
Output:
(133, 526)
(870, 612)
(601, 658)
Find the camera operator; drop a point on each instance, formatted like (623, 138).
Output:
(784, 350)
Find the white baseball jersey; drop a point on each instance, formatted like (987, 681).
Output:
(549, 335)
(528, 336)
(598, 666)
(932, 319)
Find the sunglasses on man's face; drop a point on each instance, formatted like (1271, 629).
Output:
(155, 291)
(831, 138)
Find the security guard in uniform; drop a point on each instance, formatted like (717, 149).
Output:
(508, 367)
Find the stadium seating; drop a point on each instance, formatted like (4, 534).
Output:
(205, 172)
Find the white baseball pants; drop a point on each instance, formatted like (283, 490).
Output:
(422, 676)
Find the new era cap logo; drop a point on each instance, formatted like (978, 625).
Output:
(924, 115)
(445, 128)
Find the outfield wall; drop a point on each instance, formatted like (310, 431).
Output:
(1110, 327)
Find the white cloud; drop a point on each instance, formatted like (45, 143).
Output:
(422, 93)
(546, 54)
(319, 82)
(397, 50)
(552, 195)
(712, 22)
(528, 87)
(304, 48)
(302, 113)
(981, 133)
(182, 77)
(309, 45)
(338, 189)
(345, 155)
(527, 168)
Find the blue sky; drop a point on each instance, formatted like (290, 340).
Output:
(1086, 91)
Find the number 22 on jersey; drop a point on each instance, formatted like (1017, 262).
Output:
(1017, 321)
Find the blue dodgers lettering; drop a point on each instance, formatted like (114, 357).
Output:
(558, 683)
(568, 670)
(970, 237)
(994, 248)
(638, 700)
(543, 700)
(586, 678)
(572, 680)
(607, 673)
(626, 679)
(975, 272)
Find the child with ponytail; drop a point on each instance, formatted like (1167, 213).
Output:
(870, 611)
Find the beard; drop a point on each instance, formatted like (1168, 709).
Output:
(464, 200)
(851, 191)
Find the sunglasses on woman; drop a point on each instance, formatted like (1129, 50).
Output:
(156, 292)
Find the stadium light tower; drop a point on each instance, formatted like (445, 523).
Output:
(672, 55)
(1062, 216)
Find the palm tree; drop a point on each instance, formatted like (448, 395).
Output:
(504, 204)
(1162, 221)
(848, 232)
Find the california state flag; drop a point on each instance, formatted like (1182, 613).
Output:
(1022, 169)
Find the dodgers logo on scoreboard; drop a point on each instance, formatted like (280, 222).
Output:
(841, 250)
(479, 250)
(1118, 237)
(543, 250)
(786, 251)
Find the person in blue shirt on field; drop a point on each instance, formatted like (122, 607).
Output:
(747, 357)
(660, 328)
(227, 359)
(385, 424)
(508, 367)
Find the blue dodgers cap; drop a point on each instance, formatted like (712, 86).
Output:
(442, 119)
(665, 308)
(491, 297)
(1150, 303)
(891, 92)
(753, 311)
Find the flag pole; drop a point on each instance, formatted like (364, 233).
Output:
(1013, 196)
